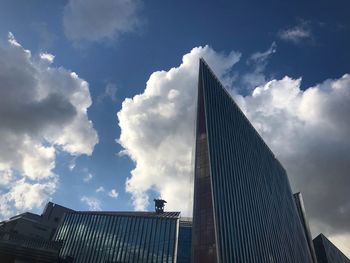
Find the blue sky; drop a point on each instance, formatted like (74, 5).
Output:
(295, 52)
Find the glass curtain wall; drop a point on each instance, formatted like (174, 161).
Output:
(204, 243)
(93, 237)
(254, 215)
(184, 242)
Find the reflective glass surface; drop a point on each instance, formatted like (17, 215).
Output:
(94, 237)
(254, 215)
(204, 244)
(184, 243)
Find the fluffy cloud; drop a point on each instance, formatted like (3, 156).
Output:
(157, 129)
(93, 203)
(23, 195)
(307, 129)
(97, 20)
(42, 108)
(47, 56)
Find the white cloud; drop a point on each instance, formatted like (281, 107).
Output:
(72, 164)
(47, 57)
(258, 61)
(297, 34)
(42, 108)
(27, 195)
(93, 203)
(6, 177)
(342, 242)
(113, 193)
(12, 40)
(307, 129)
(100, 189)
(157, 130)
(90, 20)
(88, 178)
(261, 57)
(22, 195)
(6, 209)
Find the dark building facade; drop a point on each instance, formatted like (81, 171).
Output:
(17, 248)
(27, 237)
(36, 226)
(119, 237)
(244, 209)
(299, 202)
(327, 252)
(184, 241)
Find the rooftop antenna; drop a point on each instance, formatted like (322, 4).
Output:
(159, 205)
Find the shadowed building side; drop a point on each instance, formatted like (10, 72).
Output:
(203, 238)
(301, 211)
(244, 209)
(327, 252)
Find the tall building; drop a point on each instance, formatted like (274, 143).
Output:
(119, 237)
(327, 252)
(244, 209)
(302, 215)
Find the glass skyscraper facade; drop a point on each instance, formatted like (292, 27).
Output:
(118, 237)
(244, 209)
(327, 252)
(184, 241)
(302, 215)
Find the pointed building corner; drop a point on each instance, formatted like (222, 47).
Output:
(241, 191)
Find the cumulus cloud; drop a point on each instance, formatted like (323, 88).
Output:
(23, 195)
(91, 20)
(296, 34)
(42, 108)
(306, 129)
(157, 129)
(93, 203)
(113, 193)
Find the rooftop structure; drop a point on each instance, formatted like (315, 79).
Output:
(119, 237)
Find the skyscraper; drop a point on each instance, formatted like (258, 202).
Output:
(244, 209)
(302, 215)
